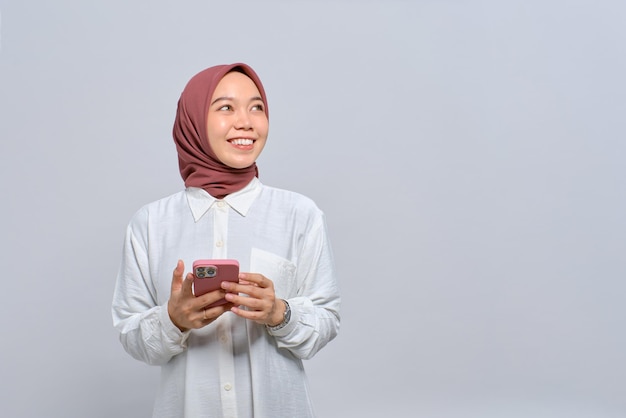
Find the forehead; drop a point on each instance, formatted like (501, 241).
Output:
(236, 82)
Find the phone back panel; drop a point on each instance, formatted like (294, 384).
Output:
(209, 274)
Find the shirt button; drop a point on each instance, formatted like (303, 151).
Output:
(220, 204)
(219, 244)
(228, 386)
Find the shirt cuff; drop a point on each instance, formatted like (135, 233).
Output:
(170, 331)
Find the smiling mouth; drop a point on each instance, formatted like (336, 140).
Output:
(241, 141)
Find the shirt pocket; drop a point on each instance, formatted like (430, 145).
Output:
(279, 270)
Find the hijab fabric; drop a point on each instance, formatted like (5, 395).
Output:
(198, 164)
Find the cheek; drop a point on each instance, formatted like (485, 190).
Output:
(216, 130)
(217, 125)
(263, 126)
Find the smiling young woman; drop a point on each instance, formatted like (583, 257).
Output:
(242, 358)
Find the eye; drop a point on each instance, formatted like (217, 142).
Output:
(225, 107)
(258, 106)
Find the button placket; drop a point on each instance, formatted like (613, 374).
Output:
(220, 229)
(226, 358)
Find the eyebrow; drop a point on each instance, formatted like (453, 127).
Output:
(252, 99)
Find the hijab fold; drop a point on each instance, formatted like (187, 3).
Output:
(198, 164)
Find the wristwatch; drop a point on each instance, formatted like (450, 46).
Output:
(286, 318)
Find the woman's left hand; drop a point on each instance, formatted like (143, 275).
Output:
(258, 298)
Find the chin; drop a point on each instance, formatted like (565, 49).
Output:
(238, 164)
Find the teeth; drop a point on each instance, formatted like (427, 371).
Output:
(241, 141)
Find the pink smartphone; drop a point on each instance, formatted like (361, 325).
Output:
(209, 275)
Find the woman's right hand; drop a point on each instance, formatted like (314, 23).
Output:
(187, 311)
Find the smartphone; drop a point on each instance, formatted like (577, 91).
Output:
(209, 275)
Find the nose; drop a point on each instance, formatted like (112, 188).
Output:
(243, 120)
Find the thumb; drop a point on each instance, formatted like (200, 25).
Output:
(177, 276)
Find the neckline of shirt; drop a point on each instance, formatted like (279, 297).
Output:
(200, 201)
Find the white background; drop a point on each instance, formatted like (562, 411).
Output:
(469, 156)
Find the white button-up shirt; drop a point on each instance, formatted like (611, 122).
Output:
(232, 367)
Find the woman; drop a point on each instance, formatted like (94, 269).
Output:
(242, 358)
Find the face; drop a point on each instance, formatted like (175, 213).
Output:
(236, 123)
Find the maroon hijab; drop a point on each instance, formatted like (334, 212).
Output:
(198, 164)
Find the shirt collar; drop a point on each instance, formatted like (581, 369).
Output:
(200, 201)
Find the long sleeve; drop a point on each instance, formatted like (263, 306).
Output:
(145, 328)
(315, 310)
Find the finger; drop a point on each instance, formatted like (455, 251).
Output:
(216, 311)
(177, 276)
(256, 279)
(256, 316)
(252, 290)
(251, 302)
(187, 285)
(263, 291)
(242, 279)
(210, 297)
(208, 315)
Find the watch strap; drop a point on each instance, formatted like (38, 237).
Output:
(286, 318)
